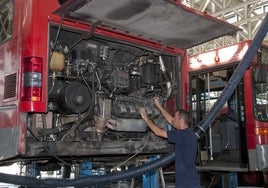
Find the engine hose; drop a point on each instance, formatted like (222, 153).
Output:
(200, 129)
(165, 76)
(91, 180)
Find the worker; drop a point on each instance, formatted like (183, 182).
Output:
(185, 141)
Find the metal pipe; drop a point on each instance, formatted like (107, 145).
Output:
(210, 128)
(166, 77)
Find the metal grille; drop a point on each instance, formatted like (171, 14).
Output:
(6, 19)
(10, 86)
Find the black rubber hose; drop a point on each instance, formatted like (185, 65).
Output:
(200, 129)
(91, 180)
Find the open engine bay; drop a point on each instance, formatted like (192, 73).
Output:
(96, 87)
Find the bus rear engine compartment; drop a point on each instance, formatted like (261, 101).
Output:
(96, 87)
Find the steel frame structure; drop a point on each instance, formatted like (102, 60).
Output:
(246, 14)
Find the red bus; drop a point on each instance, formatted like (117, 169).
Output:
(237, 140)
(74, 73)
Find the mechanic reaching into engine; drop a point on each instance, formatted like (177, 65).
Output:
(185, 144)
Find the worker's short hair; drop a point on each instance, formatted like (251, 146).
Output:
(185, 115)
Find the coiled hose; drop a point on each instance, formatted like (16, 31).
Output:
(91, 180)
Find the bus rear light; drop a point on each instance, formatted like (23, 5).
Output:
(32, 64)
(32, 79)
(261, 131)
(32, 94)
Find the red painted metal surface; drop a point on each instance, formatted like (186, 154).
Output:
(34, 42)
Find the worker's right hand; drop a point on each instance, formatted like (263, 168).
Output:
(156, 101)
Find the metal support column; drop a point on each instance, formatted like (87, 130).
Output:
(85, 169)
(32, 170)
(151, 179)
(229, 180)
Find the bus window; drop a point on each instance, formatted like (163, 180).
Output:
(260, 93)
(260, 85)
(6, 19)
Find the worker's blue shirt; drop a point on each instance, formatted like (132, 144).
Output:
(185, 155)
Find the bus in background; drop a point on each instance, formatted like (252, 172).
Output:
(237, 140)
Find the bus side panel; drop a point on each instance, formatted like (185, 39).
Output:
(35, 44)
(9, 134)
(251, 144)
(29, 38)
(257, 143)
(10, 58)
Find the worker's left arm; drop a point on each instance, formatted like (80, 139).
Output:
(156, 130)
